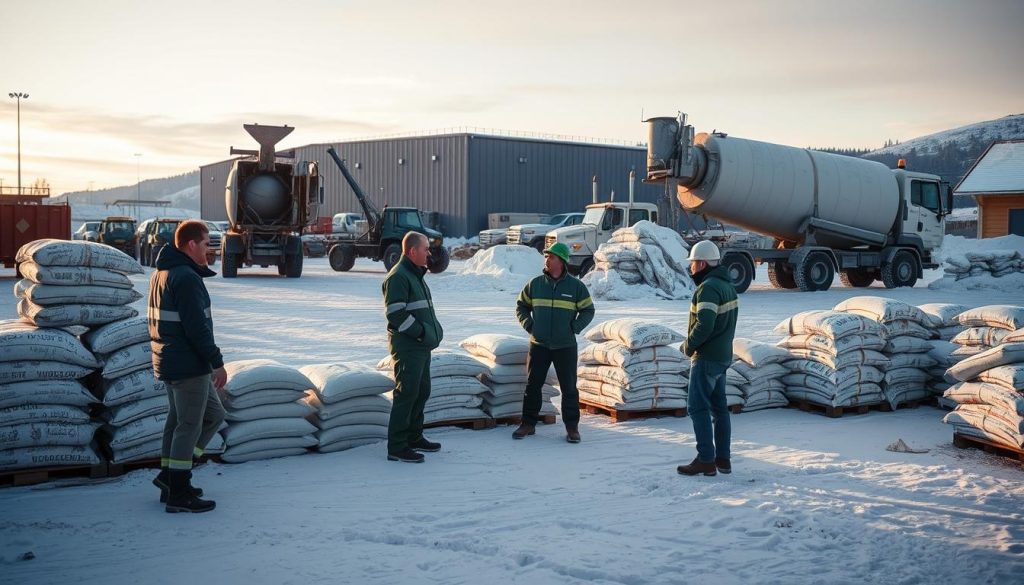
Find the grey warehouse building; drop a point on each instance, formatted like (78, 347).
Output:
(462, 177)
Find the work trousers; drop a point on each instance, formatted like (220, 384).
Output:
(538, 362)
(195, 415)
(412, 389)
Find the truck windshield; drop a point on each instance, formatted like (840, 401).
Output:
(593, 216)
(409, 218)
(120, 226)
(555, 219)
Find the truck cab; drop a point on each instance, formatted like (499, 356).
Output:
(119, 232)
(596, 228)
(926, 204)
(345, 223)
(533, 234)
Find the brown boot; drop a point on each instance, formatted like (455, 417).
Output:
(723, 465)
(572, 434)
(697, 467)
(525, 430)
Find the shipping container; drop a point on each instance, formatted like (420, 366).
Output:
(24, 219)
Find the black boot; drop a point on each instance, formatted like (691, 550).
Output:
(723, 465)
(160, 481)
(422, 444)
(525, 430)
(180, 498)
(572, 434)
(406, 455)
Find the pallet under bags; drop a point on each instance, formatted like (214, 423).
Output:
(265, 411)
(455, 392)
(761, 365)
(505, 357)
(633, 365)
(350, 407)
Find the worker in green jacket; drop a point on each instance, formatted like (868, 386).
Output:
(553, 308)
(713, 312)
(413, 331)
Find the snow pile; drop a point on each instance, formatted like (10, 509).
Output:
(505, 357)
(642, 261)
(633, 365)
(351, 410)
(456, 394)
(989, 386)
(906, 331)
(837, 358)
(506, 268)
(44, 417)
(761, 365)
(971, 264)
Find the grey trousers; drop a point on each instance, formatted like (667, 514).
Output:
(195, 415)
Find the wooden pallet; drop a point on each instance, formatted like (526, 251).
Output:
(835, 411)
(118, 469)
(736, 408)
(929, 401)
(968, 442)
(473, 424)
(623, 415)
(44, 474)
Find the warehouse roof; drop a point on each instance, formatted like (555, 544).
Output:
(999, 170)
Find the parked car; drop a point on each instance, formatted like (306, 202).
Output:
(119, 232)
(216, 235)
(87, 231)
(156, 233)
(532, 234)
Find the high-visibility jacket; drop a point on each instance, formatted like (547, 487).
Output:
(713, 313)
(554, 311)
(412, 323)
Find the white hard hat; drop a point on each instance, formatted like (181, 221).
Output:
(705, 250)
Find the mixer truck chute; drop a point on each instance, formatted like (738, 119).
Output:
(826, 213)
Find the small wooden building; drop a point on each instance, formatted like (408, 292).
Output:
(996, 181)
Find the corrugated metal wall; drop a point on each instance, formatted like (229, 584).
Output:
(462, 176)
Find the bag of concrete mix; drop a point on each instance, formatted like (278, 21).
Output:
(52, 252)
(1009, 317)
(51, 294)
(634, 333)
(74, 276)
(498, 348)
(116, 335)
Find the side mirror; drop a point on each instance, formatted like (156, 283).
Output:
(948, 207)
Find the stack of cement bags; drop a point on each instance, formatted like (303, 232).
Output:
(989, 386)
(456, 394)
(351, 410)
(633, 365)
(761, 364)
(44, 409)
(906, 331)
(505, 359)
(835, 358)
(75, 283)
(944, 326)
(643, 254)
(266, 411)
(995, 263)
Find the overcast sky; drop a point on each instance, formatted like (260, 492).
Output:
(175, 81)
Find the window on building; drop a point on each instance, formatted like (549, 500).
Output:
(1016, 222)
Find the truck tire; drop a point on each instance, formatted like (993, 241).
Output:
(293, 265)
(282, 268)
(438, 260)
(342, 257)
(780, 274)
(900, 271)
(857, 277)
(392, 254)
(586, 267)
(741, 271)
(229, 266)
(814, 273)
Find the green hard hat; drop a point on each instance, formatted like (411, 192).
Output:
(559, 249)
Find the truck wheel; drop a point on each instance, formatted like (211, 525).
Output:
(780, 274)
(392, 254)
(229, 266)
(281, 268)
(293, 265)
(901, 271)
(814, 273)
(538, 245)
(437, 261)
(342, 257)
(586, 267)
(741, 271)
(857, 277)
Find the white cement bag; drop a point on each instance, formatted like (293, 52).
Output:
(148, 450)
(354, 418)
(137, 409)
(74, 276)
(969, 368)
(907, 344)
(260, 398)
(351, 433)
(370, 404)
(646, 404)
(758, 353)
(267, 428)
(452, 401)
(64, 315)
(245, 376)
(137, 385)
(765, 372)
(46, 393)
(614, 353)
(902, 375)
(264, 455)
(455, 385)
(651, 386)
(127, 360)
(867, 357)
(911, 360)
(21, 342)
(906, 328)
(346, 445)
(288, 409)
(505, 374)
(113, 336)
(234, 453)
(452, 415)
(832, 324)
(500, 349)
(832, 346)
(445, 363)
(52, 294)
(992, 426)
(883, 310)
(986, 393)
(983, 336)
(51, 252)
(516, 409)
(11, 372)
(32, 457)
(138, 432)
(32, 413)
(1006, 316)
(840, 378)
(942, 314)
(634, 333)
(338, 382)
(44, 434)
(1014, 336)
(1010, 376)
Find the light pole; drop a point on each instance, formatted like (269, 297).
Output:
(18, 96)
(138, 182)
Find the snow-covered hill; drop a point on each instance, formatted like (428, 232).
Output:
(1007, 128)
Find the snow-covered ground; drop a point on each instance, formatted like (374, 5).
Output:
(811, 499)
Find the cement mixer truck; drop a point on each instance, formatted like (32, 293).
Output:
(826, 213)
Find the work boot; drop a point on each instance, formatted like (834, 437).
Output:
(407, 455)
(572, 434)
(525, 430)
(160, 481)
(180, 499)
(425, 446)
(723, 465)
(697, 467)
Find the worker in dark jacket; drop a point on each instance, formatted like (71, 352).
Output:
(413, 331)
(713, 312)
(186, 358)
(553, 308)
